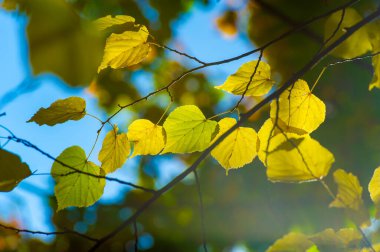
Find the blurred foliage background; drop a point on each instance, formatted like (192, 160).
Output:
(242, 210)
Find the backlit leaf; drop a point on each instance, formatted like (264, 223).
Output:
(300, 111)
(12, 171)
(74, 188)
(329, 240)
(265, 131)
(126, 49)
(260, 84)
(374, 190)
(309, 161)
(108, 21)
(349, 191)
(115, 150)
(294, 242)
(60, 111)
(147, 137)
(187, 130)
(238, 148)
(357, 44)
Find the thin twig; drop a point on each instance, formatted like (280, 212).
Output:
(201, 210)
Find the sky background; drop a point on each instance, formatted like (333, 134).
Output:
(195, 33)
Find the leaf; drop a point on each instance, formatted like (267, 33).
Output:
(329, 240)
(187, 130)
(60, 111)
(357, 44)
(12, 171)
(61, 42)
(300, 111)
(147, 137)
(290, 166)
(126, 49)
(349, 191)
(74, 188)
(260, 84)
(294, 242)
(376, 74)
(115, 150)
(238, 148)
(374, 186)
(109, 21)
(265, 131)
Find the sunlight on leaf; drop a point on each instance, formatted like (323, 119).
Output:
(115, 150)
(126, 49)
(308, 162)
(300, 111)
(12, 171)
(238, 148)
(74, 188)
(374, 190)
(329, 240)
(291, 242)
(148, 138)
(60, 111)
(109, 21)
(187, 130)
(349, 191)
(357, 44)
(260, 84)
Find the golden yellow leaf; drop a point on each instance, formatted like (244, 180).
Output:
(357, 44)
(265, 131)
(349, 191)
(126, 49)
(238, 148)
(60, 111)
(115, 150)
(292, 242)
(300, 111)
(329, 240)
(308, 162)
(108, 21)
(374, 186)
(260, 84)
(187, 130)
(147, 137)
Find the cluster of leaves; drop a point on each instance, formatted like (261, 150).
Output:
(283, 144)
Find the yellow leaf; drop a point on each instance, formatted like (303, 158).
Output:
(308, 162)
(108, 21)
(187, 130)
(329, 240)
(147, 137)
(265, 131)
(357, 44)
(349, 191)
(260, 84)
(238, 148)
(60, 111)
(115, 150)
(376, 71)
(300, 111)
(292, 242)
(374, 186)
(126, 49)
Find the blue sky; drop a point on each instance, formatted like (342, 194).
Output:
(197, 35)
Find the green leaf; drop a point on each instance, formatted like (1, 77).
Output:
(60, 111)
(74, 188)
(115, 150)
(259, 85)
(12, 171)
(187, 130)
